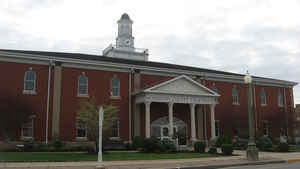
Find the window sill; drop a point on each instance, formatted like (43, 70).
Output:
(81, 139)
(236, 104)
(26, 138)
(115, 138)
(83, 95)
(115, 97)
(281, 106)
(264, 105)
(30, 92)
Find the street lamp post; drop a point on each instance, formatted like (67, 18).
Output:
(252, 152)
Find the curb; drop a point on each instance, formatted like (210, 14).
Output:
(293, 160)
(239, 164)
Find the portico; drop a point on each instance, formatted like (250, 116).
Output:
(179, 90)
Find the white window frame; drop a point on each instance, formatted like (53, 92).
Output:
(85, 138)
(280, 99)
(115, 87)
(86, 93)
(235, 96)
(118, 131)
(263, 97)
(33, 91)
(31, 120)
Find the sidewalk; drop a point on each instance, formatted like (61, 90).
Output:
(265, 158)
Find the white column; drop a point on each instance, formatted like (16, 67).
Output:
(147, 119)
(171, 119)
(212, 121)
(193, 126)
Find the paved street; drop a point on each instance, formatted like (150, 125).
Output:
(269, 166)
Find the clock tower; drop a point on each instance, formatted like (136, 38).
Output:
(125, 38)
(124, 47)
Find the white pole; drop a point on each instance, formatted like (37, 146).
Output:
(101, 112)
(48, 100)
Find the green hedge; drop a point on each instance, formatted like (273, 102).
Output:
(227, 149)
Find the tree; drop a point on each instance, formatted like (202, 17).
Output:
(89, 113)
(14, 112)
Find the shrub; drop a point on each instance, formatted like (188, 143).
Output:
(264, 144)
(223, 140)
(243, 135)
(29, 146)
(212, 150)
(167, 146)
(283, 147)
(137, 142)
(151, 145)
(227, 149)
(199, 147)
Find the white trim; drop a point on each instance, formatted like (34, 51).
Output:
(150, 90)
(220, 77)
(22, 132)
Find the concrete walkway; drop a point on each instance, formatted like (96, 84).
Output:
(239, 159)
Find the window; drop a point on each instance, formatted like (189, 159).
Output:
(82, 85)
(280, 99)
(81, 129)
(217, 127)
(27, 130)
(115, 87)
(30, 81)
(215, 89)
(265, 128)
(263, 97)
(235, 96)
(115, 129)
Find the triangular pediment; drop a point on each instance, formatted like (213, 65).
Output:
(181, 85)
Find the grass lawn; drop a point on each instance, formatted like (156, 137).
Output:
(71, 156)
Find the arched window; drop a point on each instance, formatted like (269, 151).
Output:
(83, 84)
(30, 81)
(115, 87)
(235, 96)
(280, 99)
(263, 97)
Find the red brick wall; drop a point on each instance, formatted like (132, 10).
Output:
(13, 86)
(98, 87)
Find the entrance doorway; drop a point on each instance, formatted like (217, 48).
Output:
(160, 129)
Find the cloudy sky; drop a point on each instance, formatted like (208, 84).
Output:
(262, 36)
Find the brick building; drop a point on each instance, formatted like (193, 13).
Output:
(152, 97)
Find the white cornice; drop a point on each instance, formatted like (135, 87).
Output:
(88, 64)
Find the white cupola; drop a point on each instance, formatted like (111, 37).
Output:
(124, 47)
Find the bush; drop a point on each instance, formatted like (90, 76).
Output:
(227, 149)
(283, 147)
(212, 150)
(57, 144)
(223, 140)
(29, 146)
(199, 147)
(167, 146)
(243, 135)
(151, 145)
(264, 144)
(240, 143)
(137, 142)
